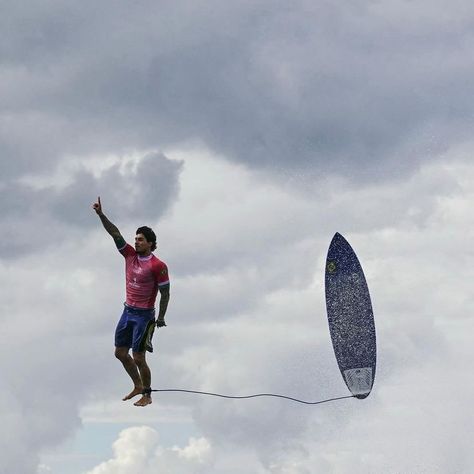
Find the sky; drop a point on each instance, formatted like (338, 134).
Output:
(246, 133)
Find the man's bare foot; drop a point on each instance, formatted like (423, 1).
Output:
(144, 401)
(136, 391)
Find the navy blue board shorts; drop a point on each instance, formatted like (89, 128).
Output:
(135, 329)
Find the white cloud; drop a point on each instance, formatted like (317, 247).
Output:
(138, 450)
(270, 337)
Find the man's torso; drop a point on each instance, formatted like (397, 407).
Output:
(143, 277)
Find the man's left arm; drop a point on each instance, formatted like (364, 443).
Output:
(164, 300)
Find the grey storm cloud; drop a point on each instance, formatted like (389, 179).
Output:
(142, 192)
(353, 89)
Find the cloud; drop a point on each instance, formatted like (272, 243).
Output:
(275, 340)
(138, 449)
(346, 89)
(56, 296)
(318, 118)
(280, 342)
(142, 190)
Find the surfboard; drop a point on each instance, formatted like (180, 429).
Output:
(350, 317)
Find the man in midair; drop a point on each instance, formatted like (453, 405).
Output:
(145, 275)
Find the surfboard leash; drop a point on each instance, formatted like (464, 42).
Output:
(236, 397)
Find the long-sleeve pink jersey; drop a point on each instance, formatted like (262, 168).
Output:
(143, 277)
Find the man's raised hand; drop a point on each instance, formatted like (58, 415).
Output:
(97, 206)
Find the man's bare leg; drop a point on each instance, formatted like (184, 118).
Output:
(145, 376)
(132, 370)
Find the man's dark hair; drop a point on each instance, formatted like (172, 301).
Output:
(149, 235)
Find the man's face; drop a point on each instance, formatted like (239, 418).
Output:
(142, 246)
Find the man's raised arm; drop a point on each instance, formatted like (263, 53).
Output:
(108, 226)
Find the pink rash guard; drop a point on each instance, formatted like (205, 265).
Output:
(143, 276)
